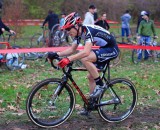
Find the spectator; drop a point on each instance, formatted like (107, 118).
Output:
(3, 28)
(125, 27)
(139, 20)
(89, 17)
(103, 22)
(52, 19)
(95, 15)
(145, 31)
(62, 21)
(63, 15)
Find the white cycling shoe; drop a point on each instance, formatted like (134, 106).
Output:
(97, 91)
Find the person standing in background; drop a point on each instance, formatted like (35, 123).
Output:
(139, 20)
(125, 27)
(63, 15)
(145, 30)
(61, 23)
(89, 16)
(103, 22)
(95, 15)
(52, 19)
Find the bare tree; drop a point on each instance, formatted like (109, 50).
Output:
(14, 10)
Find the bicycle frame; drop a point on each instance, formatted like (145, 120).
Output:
(67, 75)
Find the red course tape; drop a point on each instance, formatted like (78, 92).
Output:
(55, 49)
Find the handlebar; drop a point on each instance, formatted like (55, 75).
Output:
(10, 35)
(53, 65)
(65, 69)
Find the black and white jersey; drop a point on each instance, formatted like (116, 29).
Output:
(96, 35)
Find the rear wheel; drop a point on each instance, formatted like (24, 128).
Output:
(118, 100)
(49, 106)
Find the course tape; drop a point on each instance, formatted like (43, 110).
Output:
(55, 49)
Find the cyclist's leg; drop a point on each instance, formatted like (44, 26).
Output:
(88, 62)
(92, 83)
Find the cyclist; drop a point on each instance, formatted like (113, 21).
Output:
(92, 59)
(145, 30)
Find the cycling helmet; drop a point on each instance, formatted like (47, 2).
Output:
(71, 20)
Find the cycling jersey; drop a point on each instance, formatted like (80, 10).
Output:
(101, 37)
(96, 34)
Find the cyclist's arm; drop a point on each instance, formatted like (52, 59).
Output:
(84, 53)
(68, 51)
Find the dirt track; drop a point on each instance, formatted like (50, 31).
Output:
(140, 120)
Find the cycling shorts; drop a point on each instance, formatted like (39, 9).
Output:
(105, 54)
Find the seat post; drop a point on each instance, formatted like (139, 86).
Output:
(106, 68)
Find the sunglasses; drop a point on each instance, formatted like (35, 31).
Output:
(68, 29)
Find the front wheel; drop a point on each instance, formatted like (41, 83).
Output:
(48, 105)
(118, 101)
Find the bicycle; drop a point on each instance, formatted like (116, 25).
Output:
(12, 61)
(51, 102)
(58, 36)
(40, 40)
(139, 54)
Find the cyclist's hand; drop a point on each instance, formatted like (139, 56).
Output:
(63, 62)
(52, 55)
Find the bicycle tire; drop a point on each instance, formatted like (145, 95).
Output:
(31, 56)
(44, 108)
(123, 94)
(135, 59)
(37, 41)
(116, 61)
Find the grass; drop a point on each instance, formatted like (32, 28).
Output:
(15, 86)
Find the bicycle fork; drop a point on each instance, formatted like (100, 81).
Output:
(57, 92)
